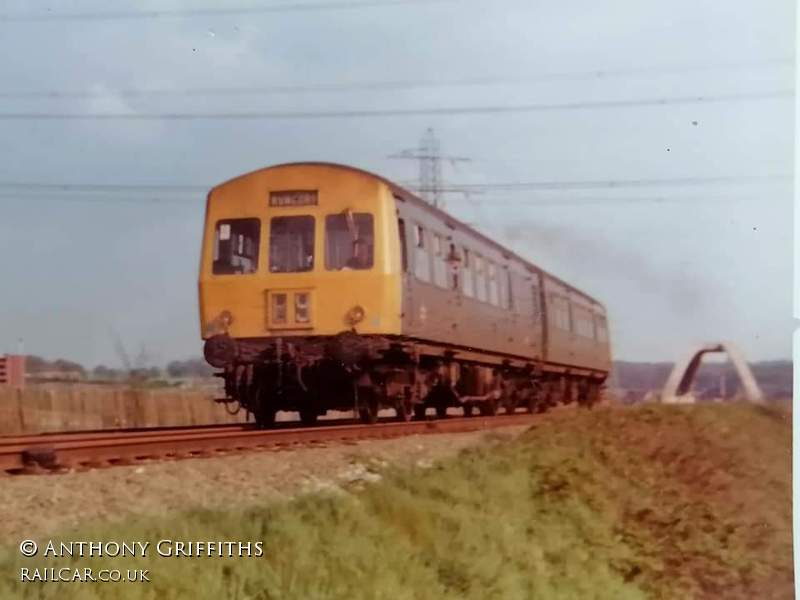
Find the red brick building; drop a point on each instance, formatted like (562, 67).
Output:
(12, 370)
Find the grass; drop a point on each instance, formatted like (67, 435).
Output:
(650, 502)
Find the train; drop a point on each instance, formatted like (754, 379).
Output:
(324, 287)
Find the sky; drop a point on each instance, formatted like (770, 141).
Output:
(676, 213)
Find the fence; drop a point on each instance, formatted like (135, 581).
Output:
(38, 409)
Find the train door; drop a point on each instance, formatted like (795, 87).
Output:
(539, 315)
(454, 265)
(510, 302)
(407, 297)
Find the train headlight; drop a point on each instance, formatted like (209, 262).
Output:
(226, 318)
(302, 310)
(219, 324)
(355, 315)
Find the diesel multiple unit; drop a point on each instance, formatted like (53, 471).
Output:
(325, 287)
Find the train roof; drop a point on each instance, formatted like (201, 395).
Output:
(408, 196)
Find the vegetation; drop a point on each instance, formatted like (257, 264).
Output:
(36, 364)
(650, 502)
(192, 367)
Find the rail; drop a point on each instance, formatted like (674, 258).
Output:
(75, 451)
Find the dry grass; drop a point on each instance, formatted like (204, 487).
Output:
(651, 502)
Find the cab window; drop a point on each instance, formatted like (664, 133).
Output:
(291, 244)
(236, 246)
(349, 241)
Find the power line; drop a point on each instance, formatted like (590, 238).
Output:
(599, 200)
(299, 88)
(141, 199)
(102, 187)
(547, 201)
(211, 12)
(622, 183)
(400, 112)
(511, 186)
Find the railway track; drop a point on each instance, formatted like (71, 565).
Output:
(63, 452)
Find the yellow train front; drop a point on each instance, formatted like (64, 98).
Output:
(313, 298)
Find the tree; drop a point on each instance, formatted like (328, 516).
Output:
(105, 373)
(193, 367)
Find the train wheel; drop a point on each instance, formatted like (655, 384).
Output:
(263, 409)
(368, 405)
(593, 394)
(511, 404)
(488, 407)
(548, 398)
(404, 408)
(369, 414)
(265, 418)
(441, 410)
(570, 393)
(535, 398)
(308, 414)
(419, 411)
(469, 410)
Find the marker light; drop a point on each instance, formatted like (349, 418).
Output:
(301, 307)
(279, 308)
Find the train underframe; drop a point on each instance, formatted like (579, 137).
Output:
(370, 373)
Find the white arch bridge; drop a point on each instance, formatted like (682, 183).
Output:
(679, 382)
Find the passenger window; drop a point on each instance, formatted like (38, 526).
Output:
(584, 325)
(236, 246)
(480, 279)
(454, 264)
(439, 262)
(602, 330)
(349, 241)
(560, 313)
(419, 237)
(509, 292)
(422, 266)
(493, 287)
(401, 226)
(466, 275)
(291, 244)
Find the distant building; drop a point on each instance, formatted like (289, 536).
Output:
(12, 370)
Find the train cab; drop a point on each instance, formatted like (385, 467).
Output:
(300, 250)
